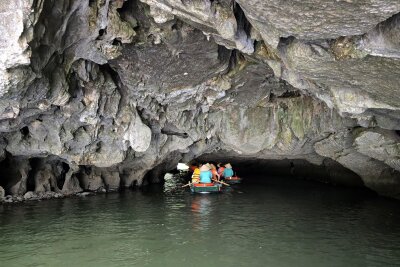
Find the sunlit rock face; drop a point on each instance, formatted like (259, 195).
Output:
(97, 95)
(316, 19)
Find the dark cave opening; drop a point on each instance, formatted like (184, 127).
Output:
(92, 2)
(107, 69)
(64, 170)
(34, 163)
(256, 170)
(117, 42)
(242, 22)
(126, 6)
(24, 131)
(289, 94)
(102, 32)
(20, 174)
(127, 13)
(82, 175)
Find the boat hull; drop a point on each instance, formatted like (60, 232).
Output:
(205, 188)
(233, 180)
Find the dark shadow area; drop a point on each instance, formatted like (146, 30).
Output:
(255, 170)
(64, 168)
(14, 173)
(24, 131)
(243, 23)
(30, 185)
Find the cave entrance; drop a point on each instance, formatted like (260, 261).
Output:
(34, 163)
(261, 170)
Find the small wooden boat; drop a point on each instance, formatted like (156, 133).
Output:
(233, 180)
(205, 187)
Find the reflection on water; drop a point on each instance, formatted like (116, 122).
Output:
(201, 209)
(274, 224)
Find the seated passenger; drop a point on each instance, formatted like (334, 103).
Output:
(192, 167)
(215, 175)
(228, 172)
(205, 174)
(220, 169)
(196, 175)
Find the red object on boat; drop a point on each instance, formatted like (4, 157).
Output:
(233, 178)
(203, 184)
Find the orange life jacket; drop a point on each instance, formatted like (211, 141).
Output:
(196, 175)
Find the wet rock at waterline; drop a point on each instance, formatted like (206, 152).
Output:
(99, 95)
(2, 193)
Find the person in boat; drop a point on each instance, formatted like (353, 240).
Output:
(196, 175)
(220, 169)
(193, 166)
(214, 172)
(205, 174)
(228, 172)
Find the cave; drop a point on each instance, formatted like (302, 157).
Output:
(255, 170)
(113, 94)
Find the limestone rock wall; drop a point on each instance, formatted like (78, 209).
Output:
(102, 94)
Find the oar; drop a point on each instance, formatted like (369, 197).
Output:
(221, 182)
(186, 185)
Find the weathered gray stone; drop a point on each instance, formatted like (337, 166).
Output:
(384, 39)
(111, 179)
(71, 183)
(376, 174)
(316, 19)
(215, 18)
(2, 193)
(45, 178)
(383, 146)
(8, 199)
(92, 180)
(30, 195)
(351, 85)
(14, 51)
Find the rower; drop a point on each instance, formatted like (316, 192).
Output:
(228, 172)
(215, 175)
(220, 169)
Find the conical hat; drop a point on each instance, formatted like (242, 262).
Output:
(204, 168)
(228, 166)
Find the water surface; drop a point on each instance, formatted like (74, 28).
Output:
(287, 223)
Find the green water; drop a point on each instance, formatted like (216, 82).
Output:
(272, 224)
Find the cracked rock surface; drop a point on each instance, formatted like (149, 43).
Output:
(102, 94)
